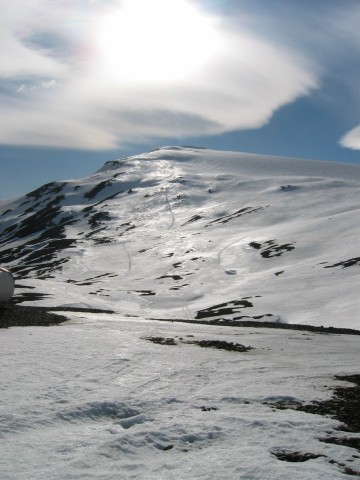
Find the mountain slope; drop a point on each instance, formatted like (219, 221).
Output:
(193, 233)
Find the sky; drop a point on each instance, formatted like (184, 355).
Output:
(87, 81)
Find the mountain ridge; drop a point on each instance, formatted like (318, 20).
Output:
(197, 233)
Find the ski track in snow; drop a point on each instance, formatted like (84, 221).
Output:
(129, 257)
(170, 209)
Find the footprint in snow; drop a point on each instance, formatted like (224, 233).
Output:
(231, 271)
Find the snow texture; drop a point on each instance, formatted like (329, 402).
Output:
(94, 398)
(180, 230)
(198, 235)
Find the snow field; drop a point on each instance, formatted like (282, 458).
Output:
(94, 398)
(192, 234)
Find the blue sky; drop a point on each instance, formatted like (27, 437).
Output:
(88, 81)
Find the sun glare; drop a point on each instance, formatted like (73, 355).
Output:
(156, 41)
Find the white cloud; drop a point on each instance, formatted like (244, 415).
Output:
(351, 139)
(18, 57)
(20, 60)
(346, 24)
(73, 101)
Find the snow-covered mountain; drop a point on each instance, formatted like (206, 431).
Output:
(197, 235)
(191, 233)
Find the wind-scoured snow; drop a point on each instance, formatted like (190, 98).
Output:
(181, 230)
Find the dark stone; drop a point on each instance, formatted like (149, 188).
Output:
(94, 191)
(238, 213)
(287, 456)
(221, 345)
(162, 340)
(168, 447)
(343, 406)
(228, 308)
(15, 316)
(346, 263)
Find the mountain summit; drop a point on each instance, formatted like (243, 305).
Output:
(183, 232)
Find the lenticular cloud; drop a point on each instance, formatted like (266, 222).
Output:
(240, 86)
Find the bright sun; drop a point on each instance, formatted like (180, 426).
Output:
(156, 41)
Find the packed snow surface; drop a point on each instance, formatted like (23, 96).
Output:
(95, 399)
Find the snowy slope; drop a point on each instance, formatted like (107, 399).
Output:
(196, 234)
(199, 235)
